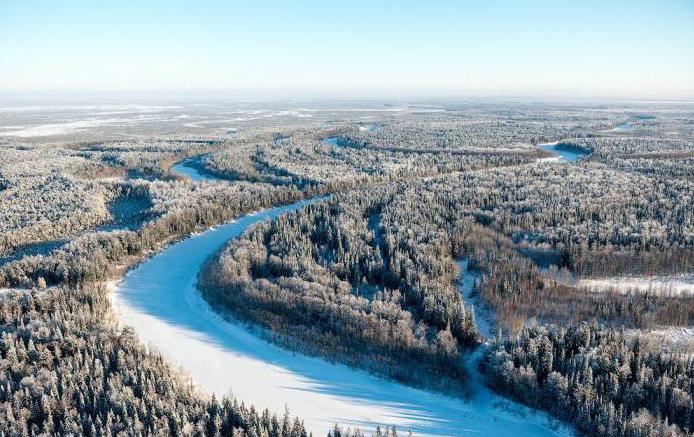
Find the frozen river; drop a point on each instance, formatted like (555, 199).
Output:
(191, 168)
(160, 301)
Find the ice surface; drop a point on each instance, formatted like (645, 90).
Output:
(189, 168)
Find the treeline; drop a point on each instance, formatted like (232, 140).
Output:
(654, 156)
(605, 262)
(65, 370)
(55, 191)
(491, 127)
(46, 207)
(146, 158)
(553, 206)
(604, 147)
(673, 166)
(522, 154)
(597, 380)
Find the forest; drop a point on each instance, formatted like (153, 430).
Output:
(369, 275)
(65, 370)
(595, 378)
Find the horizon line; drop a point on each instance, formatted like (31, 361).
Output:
(363, 94)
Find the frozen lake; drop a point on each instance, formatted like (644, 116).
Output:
(562, 153)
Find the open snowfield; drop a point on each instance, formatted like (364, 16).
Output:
(160, 301)
(676, 285)
(156, 114)
(50, 129)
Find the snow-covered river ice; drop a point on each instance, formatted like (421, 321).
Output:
(190, 167)
(160, 301)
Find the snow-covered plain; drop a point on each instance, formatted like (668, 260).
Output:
(675, 285)
(160, 301)
(49, 129)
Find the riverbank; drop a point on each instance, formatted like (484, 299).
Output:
(160, 301)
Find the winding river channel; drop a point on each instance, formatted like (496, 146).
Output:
(160, 301)
(190, 168)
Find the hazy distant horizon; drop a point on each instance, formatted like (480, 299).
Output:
(191, 96)
(617, 49)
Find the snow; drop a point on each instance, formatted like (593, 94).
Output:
(550, 159)
(673, 334)
(483, 316)
(627, 126)
(187, 168)
(678, 340)
(562, 155)
(44, 130)
(675, 285)
(373, 127)
(18, 291)
(103, 108)
(160, 301)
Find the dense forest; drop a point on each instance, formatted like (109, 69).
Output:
(179, 210)
(593, 377)
(64, 370)
(329, 277)
(321, 159)
(485, 128)
(371, 275)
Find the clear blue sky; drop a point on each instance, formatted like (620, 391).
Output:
(587, 47)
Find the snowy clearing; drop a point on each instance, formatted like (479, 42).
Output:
(673, 339)
(676, 285)
(483, 316)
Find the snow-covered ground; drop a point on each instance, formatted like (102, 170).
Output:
(44, 130)
(160, 301)
(623, 127)
(675, 339)
(675, 285)
(483, 317)
(550, 159)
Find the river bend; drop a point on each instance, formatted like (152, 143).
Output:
(160, 301)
